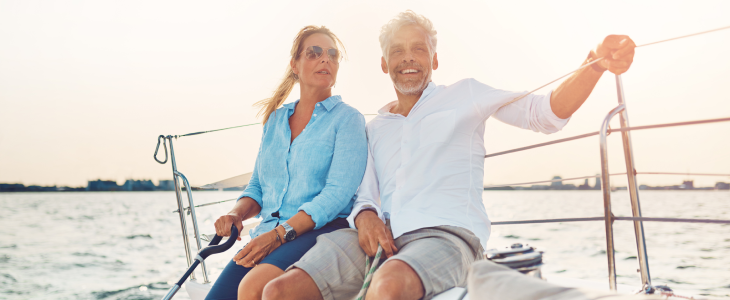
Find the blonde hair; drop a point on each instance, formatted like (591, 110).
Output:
(407, 17)
(269, 105)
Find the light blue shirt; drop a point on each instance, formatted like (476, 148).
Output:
(317, 173)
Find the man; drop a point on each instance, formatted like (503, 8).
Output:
(424, 176)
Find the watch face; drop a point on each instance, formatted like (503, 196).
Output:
(290, 235)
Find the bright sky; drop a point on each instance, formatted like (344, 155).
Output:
(87, 86)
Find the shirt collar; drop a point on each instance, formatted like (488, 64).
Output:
(385, 110)
(328, 103)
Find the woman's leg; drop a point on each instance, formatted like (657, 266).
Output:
(226, 286)
(252, 286)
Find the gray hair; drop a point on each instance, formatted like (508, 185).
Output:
(407, 17)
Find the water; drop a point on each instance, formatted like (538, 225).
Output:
(117, 245)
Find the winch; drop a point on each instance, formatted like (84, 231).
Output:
(524, 259)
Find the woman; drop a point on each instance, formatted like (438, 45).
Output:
(310, 163)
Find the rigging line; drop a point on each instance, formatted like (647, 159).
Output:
(201, 132)
(615, 174)
(684, 36)
(207, 204)
(554, 180)
(609, 131)
(672, 220)
(597, 60)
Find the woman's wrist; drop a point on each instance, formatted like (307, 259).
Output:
(280, 234)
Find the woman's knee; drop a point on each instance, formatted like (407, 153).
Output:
(295, 284)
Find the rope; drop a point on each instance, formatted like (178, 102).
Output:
(201, 132)
(671, 220)
(609, 131)
(597, 60)
(369, 269)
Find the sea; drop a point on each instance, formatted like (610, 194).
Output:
(128, 245)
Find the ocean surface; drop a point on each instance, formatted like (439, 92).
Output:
(128, 245)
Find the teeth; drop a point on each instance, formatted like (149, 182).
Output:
(323, 72)
(407, 71)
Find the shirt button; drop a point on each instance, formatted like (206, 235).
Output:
(284, 189)
(315, 115)
(317, 104)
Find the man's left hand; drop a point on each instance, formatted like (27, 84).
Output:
(618, 53)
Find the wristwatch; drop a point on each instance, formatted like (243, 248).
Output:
(289, 233)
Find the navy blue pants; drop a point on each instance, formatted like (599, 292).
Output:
(226, 286)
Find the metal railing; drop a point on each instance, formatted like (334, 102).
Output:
(633, 190)
(180, 207)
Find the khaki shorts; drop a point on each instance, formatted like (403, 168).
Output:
(440, 255)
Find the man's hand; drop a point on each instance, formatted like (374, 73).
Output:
(223, 224)
(371, 231)
(618, 53)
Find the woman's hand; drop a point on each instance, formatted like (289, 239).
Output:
(223, 224)
(257, 249)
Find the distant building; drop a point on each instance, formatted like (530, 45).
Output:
(557, 184)
(102, 185)
(722, 186)
(12, 187)
(138, 185)
(687, 185)
(597, 186)
(166, 185)
(585, 186)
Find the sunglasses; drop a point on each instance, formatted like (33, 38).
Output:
(315, 52)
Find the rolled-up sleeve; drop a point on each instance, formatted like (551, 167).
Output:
(531, 112)
(253, 190)
(345, 172)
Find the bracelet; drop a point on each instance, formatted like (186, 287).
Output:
(595, 66)
(278, 239)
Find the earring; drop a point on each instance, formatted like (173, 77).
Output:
(295, 76)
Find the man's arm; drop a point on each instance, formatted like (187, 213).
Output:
(366, 215)
(618, 54)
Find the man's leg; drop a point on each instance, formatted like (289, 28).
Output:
(334, 267)
(395, 280)
(295, 284)
(429, 261)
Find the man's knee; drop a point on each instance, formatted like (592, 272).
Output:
(395, 280)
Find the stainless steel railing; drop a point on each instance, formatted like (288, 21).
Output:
(180, 207)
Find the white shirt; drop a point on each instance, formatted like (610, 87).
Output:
(427, 169)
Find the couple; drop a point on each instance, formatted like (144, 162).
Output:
(415, 172)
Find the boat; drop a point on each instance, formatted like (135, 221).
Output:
(198, 288)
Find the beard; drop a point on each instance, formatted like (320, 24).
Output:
(411, 86)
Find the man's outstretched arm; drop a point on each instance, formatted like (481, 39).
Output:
(618, 53)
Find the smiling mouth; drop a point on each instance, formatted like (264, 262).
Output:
(323, 72)
(409, 71)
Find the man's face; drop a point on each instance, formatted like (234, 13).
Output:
(409, 60)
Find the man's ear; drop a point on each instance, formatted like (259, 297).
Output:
(435, 61)
(383, 65)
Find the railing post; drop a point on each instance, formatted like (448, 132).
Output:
(195, 223)
(180, 207)
(606, 191)
(634, 192)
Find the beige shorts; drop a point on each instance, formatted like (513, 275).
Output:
(440, 255)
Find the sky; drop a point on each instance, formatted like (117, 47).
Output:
(87, 86)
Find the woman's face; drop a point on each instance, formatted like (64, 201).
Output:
(319, 73)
